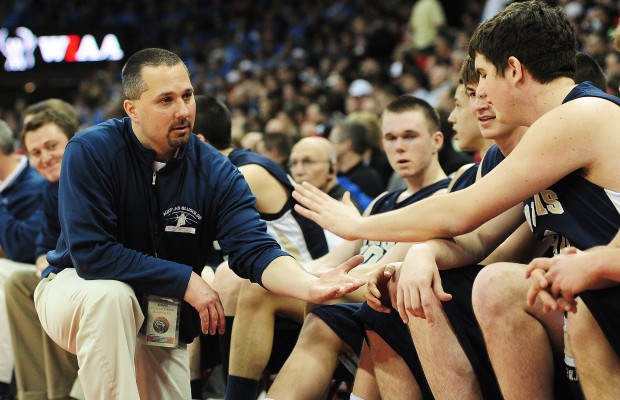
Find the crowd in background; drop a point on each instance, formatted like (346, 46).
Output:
(296, 67)
(289, 69)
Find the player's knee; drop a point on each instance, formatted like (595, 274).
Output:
(489, 294)
(254, 296)
(315, 329)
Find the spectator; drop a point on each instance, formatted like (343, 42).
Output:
(375, 155)
(20, 216)
(350, 139)
(42, 368)
(427, 16)
(277, 147)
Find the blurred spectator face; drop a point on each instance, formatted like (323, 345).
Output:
(313, 113)
(308, 128)
(259, 147)
(369, 104)
(408, 144)
(612, 63)
(352, 104)
(370, 68)
(251, 139)
(309, 162)
(595, 45)
(408, 83)
(341, 146)
(275, 125)
(465, 126)
(45, 147)
(360, 91)
(438, 75)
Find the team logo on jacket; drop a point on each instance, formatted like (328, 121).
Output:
(181, 219)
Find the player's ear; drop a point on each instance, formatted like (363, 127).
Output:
(333, 169)
(437, 141)
(514, 70)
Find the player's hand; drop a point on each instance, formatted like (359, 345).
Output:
(539, 284)
(571, 273)
(207, 302)
(331, 214)
(419, 289)
(377, 292)
(549, 280)
(336, 283)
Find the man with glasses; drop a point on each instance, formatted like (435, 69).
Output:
(313, 159)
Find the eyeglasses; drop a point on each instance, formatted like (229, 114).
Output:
(306, 163)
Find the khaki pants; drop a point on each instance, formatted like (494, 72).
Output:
(99, 320)
(7, 267)
(43, 370)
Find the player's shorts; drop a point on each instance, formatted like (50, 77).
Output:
(285, 334)
(339, 317)
(460, 312)
(395, 333)
(605, 308)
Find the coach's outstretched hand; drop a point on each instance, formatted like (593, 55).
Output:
(337, 217)
(337, 282)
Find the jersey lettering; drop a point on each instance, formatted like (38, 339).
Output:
(373, 251)
(543, 203)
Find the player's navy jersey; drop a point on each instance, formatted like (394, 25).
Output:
(241, 157)
(575, 211)
(466, 178)
(373, 250)
(492, 157)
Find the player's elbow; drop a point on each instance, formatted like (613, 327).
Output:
(459, 226)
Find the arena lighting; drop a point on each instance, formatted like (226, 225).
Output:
(19, 50)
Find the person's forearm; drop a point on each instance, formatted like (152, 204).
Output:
(454, 253)
(286, 277)
(606, 266)
(396, 254)
(431, 218)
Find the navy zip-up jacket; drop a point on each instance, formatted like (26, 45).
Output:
(50, 225)
(122, 221)
(20, 215)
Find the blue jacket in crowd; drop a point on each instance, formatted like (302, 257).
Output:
(20, 215)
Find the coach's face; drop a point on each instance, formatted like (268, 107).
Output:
(163, 116)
